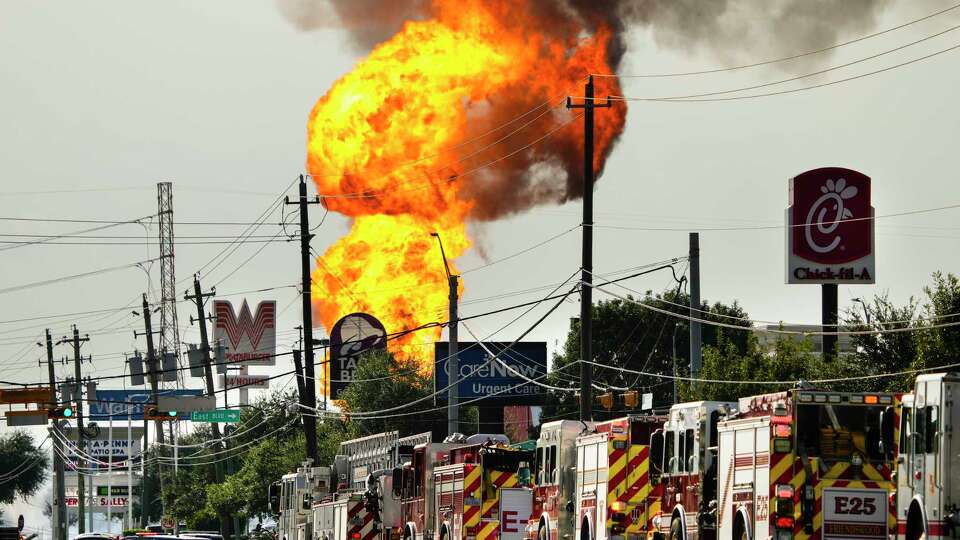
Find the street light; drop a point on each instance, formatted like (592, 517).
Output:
(866, 309)
(453, 360)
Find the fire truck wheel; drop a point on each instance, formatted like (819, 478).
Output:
(676, 530)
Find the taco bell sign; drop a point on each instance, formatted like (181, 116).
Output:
(830, 228)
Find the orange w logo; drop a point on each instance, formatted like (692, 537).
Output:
(236, 327)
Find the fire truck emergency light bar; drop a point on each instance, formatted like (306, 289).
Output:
(855, 399)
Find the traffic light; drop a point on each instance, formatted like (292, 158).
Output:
(630, 399)
(606, 400)
(153, 413)
(60, 412)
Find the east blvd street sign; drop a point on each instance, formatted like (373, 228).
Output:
(225, 416)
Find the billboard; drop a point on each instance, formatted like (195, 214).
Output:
(114, 404)
(481, 377)
(830, 234)
(250, 338)
(350, 337)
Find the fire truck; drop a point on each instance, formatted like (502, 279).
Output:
(483, 493)
(684, 471)
(554, 496)
(808, 464)
(293, 496)
(415, 486)
(363, 505)
(928, 476)
(615, 499)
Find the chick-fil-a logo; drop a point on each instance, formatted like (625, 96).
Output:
(831, 220)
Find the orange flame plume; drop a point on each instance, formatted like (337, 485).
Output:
(459, 116)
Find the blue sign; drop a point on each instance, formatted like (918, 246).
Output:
(114, 404)
(481, 376)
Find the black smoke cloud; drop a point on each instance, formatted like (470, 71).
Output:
(550, 173)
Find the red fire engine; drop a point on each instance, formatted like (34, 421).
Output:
(615, 499)
(554, 494)
(684, 470)
(806, 464)
(928, 476)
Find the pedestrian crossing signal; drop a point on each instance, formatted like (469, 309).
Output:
(153, 413)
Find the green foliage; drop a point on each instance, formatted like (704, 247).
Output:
(939, 346)
(631, 336)
(382, 384)
(20, 456)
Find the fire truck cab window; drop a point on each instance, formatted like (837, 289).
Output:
(839, 431)
(932, 428)
(554, 477)
(656, 452)
(540, 476)
(689, 455)
(417, 478)
(905, 416)
(669, 452)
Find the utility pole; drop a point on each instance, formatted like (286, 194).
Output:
(310, 420)
(60, 504)
(158, 427)
(198, 297)
(586, 269)
(828, 297)
(696, 350)
(78, 394)
(453, 358)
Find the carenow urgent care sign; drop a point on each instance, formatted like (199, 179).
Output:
(830, 232)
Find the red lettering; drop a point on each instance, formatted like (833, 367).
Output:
(509, 522)
(869, 506)
(856, 504)
(840, 505)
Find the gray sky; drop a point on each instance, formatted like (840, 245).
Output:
(102, 100)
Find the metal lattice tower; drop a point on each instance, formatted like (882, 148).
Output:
(169, 330)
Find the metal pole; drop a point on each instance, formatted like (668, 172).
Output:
(453, 362)
(129, 469)
(828, 294)
(176, 471)
(696, 350)
(110, 471)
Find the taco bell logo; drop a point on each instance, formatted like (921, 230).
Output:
(830, 228)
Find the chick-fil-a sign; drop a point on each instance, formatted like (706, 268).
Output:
(830, 235)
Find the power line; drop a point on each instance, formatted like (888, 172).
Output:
(680, 99)
(786, 58)
(75, 276)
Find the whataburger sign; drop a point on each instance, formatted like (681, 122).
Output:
(250, 338)
(830, 233)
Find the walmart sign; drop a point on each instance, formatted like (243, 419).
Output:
(504, 378)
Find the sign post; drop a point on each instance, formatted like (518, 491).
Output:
(830, 237)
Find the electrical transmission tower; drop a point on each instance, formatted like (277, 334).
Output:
(169, 331)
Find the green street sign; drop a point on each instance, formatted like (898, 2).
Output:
(226, 416)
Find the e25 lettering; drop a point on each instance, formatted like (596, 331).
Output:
(858, 506)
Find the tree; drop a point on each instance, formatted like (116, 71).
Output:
(637, 335)
(884, 352)
(381, 384)
(939, 346)
(24, 463)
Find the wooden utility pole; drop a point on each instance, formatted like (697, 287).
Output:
(586, 269)
(198, 297)
(60, 503)
(78, 395)
(310, 382)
